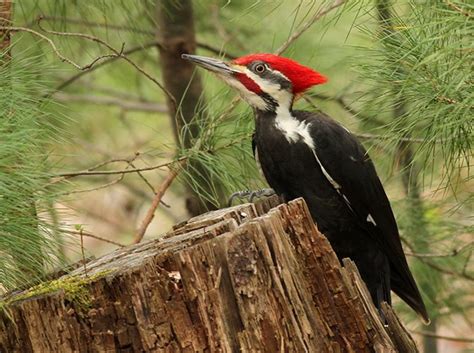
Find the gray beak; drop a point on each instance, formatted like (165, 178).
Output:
(211, 64)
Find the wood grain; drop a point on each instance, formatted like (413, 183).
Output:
(243, 279)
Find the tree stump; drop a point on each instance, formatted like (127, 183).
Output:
(242, 279)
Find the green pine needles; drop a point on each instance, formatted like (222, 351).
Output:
(424, 63)
(27, 244)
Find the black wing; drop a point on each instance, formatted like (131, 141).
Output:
(348, 164)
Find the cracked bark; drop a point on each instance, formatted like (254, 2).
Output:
(242, 279)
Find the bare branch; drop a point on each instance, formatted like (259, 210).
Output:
(445, 270)
(121, 171)
(116, 52)
(215, 50)
(90, 235)
(109, 60)
(100, 187)
(442, 337)
(295, 35)
(173, 173)
(55, 49)
(452, 253)
(427, 261)
(144, 106)
(149, 32)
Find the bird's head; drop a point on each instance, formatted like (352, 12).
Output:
(265, 81)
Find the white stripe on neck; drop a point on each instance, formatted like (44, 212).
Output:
(293, 129)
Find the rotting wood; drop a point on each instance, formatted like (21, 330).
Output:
(242, 279)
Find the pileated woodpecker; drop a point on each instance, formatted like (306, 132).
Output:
(308, 154)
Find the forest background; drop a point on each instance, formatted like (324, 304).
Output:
(102, 126)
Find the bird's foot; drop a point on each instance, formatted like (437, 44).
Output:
(250, 195)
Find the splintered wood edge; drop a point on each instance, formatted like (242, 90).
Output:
(398, 332)
(394, 331)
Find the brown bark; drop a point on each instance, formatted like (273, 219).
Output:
(177, 36)
(242, 279)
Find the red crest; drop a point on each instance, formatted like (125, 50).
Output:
(301, 77)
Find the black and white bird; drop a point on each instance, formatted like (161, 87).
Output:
(308, 154)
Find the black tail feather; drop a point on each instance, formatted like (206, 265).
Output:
(406, 288)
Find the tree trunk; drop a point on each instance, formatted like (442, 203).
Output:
(242, 279)
(176, 35)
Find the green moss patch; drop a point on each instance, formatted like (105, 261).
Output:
(74, 288)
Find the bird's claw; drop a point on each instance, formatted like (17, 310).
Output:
(250, 195)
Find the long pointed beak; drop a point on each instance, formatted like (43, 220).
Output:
(211, 64)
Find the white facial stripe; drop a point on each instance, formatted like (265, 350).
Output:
(252, 98)
(273, 89)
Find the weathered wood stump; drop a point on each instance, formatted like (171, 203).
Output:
(242, 279)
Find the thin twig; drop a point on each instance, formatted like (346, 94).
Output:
(149, 32)
(56, 50)
(442, 337)
(86, 234)
(215, 50)
(83, 253)
(121, 171)
(446, 271)
(58, 178)
(304, 28)
(452, 253)
(116, 52)
(128, 105)
(434, 265)
(109, 60)
(100, 187)
(458, 9)
(173, 173)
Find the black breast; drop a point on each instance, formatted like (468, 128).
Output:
(291, 169)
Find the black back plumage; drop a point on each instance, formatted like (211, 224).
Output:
(355, 216)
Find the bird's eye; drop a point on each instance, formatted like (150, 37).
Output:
(260, 68)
